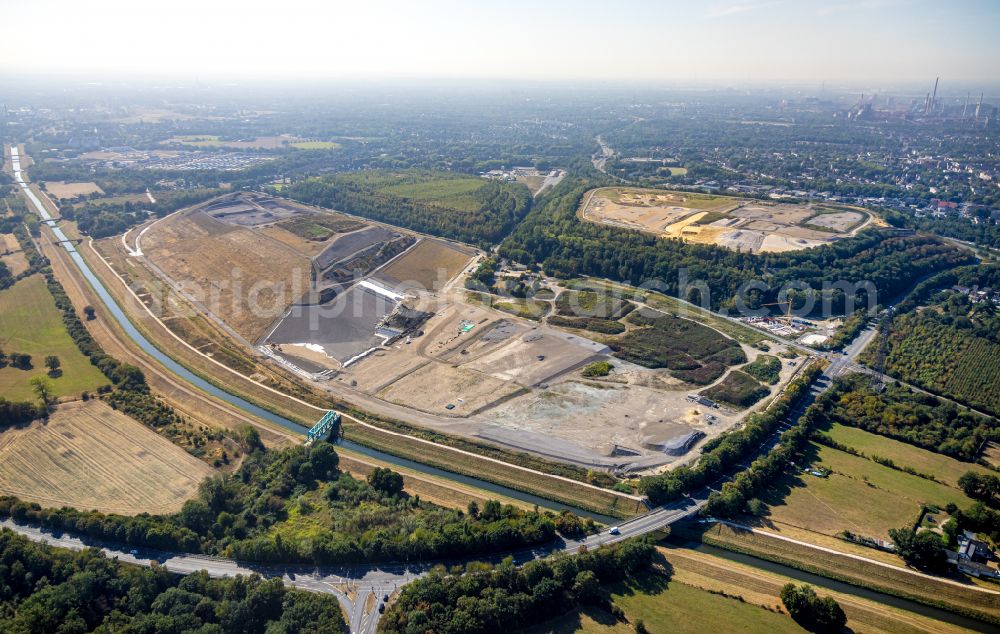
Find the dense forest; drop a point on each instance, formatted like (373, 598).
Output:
(295, 505)
(498, 208)
(553, 236)
(52, 590)
(507, 598)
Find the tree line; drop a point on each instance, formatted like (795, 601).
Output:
(246, 515)
(46, 589)
(911, 417)
(505, 598)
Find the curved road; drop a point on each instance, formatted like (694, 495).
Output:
(354, 585)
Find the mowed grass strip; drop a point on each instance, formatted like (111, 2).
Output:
(964, 600)
(671, 606)
(596, 500)
(944, 468)
(31, 324)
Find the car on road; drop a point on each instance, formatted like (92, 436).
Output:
(615, 531)
(385, 598)
(381, 608)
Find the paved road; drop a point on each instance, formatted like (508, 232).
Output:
(354, 586)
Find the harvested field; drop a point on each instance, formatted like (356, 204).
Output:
(429, 265)
(90, 456)
(436, 385)
(61, 190)
(865, 574)
(14, 258)
(31, 324)
(735, 223)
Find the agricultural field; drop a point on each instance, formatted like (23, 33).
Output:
(953, 362)
(31, 324)
(704, 569)
(736, 223)
(671, 606)
(859, 495)
(63, 190)
(944, 468)
(11, 255)
(90, 456)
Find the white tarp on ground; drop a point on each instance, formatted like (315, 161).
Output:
(380, 290)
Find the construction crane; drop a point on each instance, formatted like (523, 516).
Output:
(788, 312)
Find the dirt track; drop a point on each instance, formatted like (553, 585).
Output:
(187, 400)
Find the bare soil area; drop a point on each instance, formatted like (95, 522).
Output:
(434, 386)
(428, 266)
(236, 273)
(735, 223)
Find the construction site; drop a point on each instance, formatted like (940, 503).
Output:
(749, 226)
(379, 316)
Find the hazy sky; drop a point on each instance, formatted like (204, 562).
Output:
(748, 40)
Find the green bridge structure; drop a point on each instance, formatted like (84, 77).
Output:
(323, 427)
